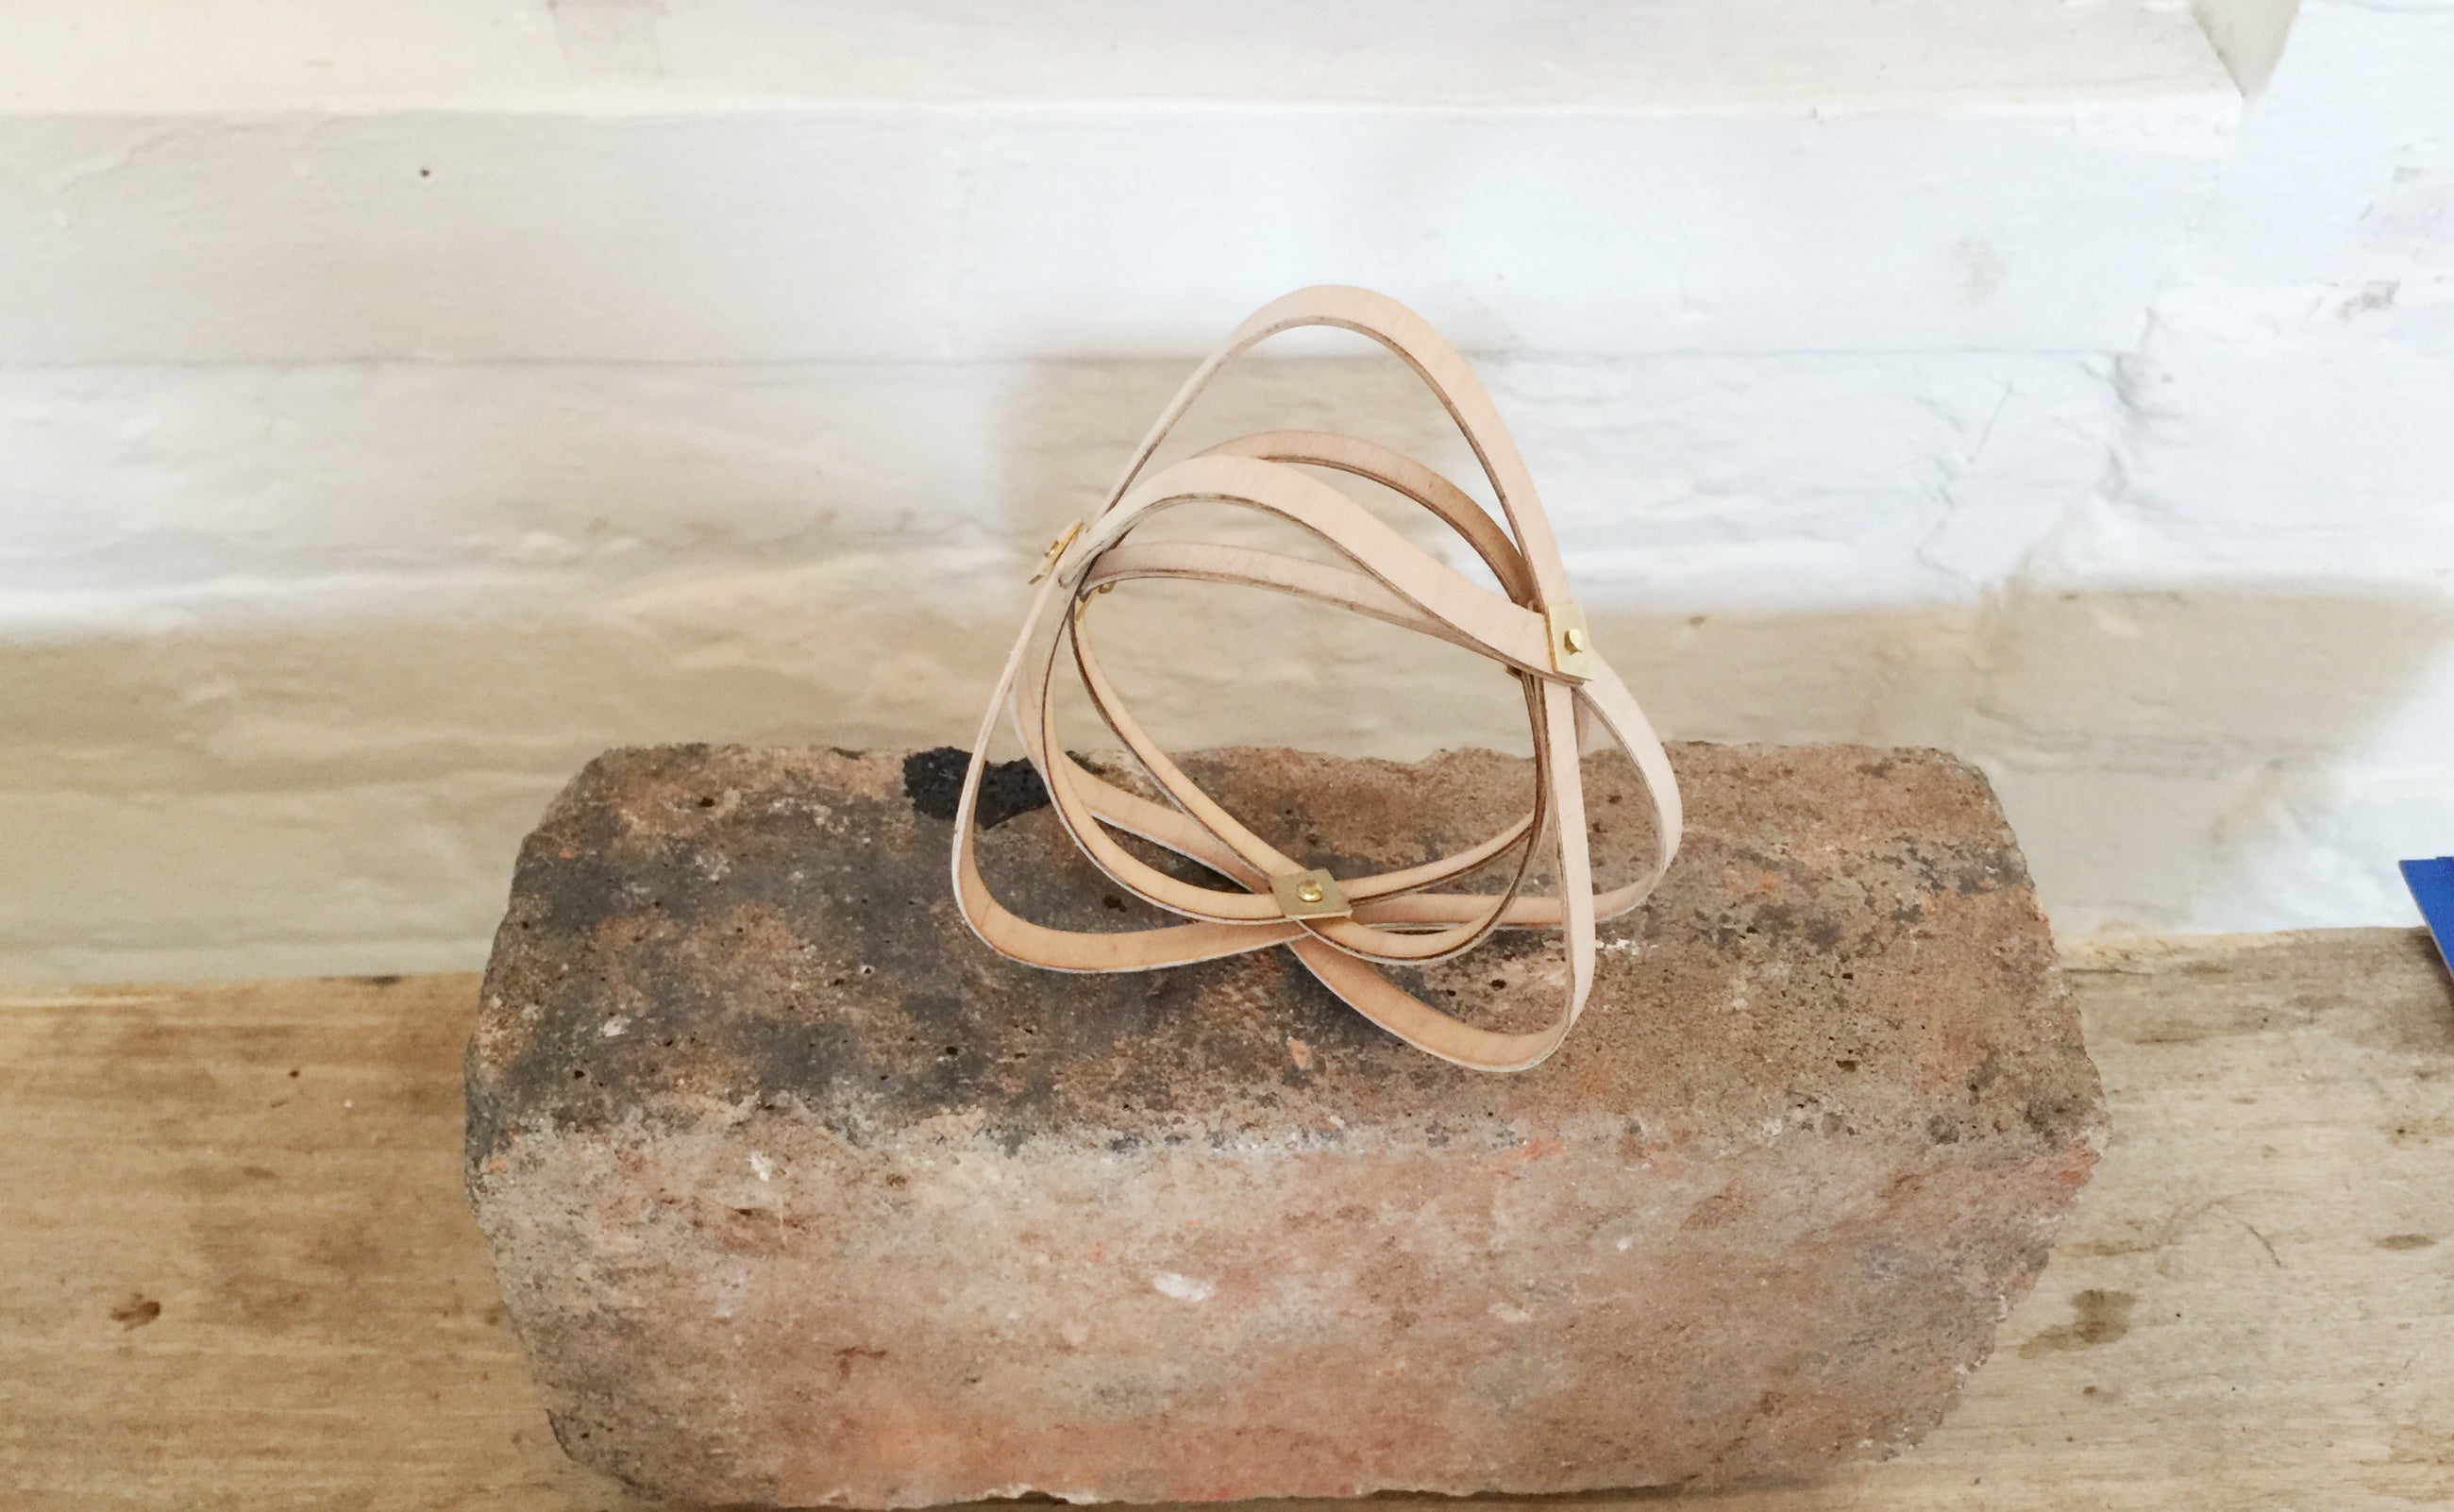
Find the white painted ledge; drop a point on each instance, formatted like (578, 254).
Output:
(753, 181)
(111, 57)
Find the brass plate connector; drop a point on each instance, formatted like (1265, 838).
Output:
(1310, 895)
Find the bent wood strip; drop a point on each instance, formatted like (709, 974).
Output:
(1359, 922)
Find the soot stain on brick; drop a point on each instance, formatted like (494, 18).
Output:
(932, 780)
(745, 950)
(1966, 867)
(863, 998)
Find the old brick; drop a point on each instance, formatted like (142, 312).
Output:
(800, 1195)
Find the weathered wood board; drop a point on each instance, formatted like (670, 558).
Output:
(236, 1269)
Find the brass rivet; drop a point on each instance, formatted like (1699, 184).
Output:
(1573, 638)
(1057, 551)
(1309, 892)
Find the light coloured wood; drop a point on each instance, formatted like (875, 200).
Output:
(2252, 1308)
(1534, 629)
(2253, 1305)
(329, 1334)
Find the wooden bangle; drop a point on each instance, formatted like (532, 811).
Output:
(1342, 929)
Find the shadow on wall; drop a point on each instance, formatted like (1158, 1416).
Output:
(2144, 744)
(347, 794)
(2148, 746)
(349, 797)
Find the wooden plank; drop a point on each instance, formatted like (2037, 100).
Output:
(2253, 1309)
(276, 1167)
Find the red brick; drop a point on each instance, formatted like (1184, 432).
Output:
(800, 1196)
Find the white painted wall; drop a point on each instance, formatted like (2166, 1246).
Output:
(401, 402)
(2287, 449)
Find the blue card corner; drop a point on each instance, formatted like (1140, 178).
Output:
(2431, 880)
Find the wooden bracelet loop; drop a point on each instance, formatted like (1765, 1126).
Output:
(1342, 928)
